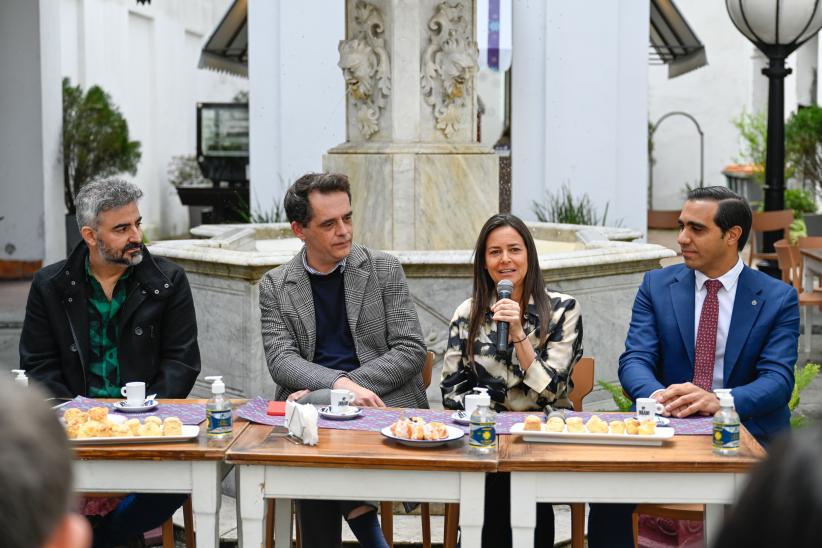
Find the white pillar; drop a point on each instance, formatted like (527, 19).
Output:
(31, 178)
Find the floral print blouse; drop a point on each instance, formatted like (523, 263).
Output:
(546, 383)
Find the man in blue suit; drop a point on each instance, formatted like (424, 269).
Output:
(710, 323)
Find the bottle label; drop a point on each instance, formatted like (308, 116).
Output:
(483, 434)
(726, 436)
(219, 421)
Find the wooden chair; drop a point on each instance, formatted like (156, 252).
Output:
(791, 265)
(810, 242)
(583, 380)
(663, 219)
(386, 507)
(769, 221)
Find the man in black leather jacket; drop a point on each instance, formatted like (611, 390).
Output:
(111, 314)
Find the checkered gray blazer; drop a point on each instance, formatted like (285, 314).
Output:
(381, 316)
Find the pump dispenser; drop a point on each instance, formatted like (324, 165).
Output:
(483, 432)
(20, 378)
(218, 410)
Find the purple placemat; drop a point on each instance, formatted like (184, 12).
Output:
(189, 413)
(375, 419)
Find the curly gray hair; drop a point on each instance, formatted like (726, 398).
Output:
(99, 196)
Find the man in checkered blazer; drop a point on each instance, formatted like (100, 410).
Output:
(338, 315)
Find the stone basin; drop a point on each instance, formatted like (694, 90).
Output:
(601, 266)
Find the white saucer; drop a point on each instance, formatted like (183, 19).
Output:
(660, 420)
(461, 417)
(350, 412)
(123, 406)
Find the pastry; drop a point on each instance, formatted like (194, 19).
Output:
(120, 431)
(72, 429)
(89, 429)
(574, 424)
(133, 425)
(402, 428)
(435, 431)
(75, 416)
(554, 424)
(532, 422)
(172, 426)
(596, 425)
(617, 427)
(631, 426)
(155, 419)
(647, 428)
(150, 429)
(98, 413)
(418, 430)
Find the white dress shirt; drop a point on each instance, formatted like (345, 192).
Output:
(726, 296)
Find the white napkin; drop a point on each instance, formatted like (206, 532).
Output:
(301, 420)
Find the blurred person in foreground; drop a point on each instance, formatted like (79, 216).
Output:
(339, 315)
(533, 374)
(782, 502)
(709, 323)
(111, 314)
(35, 475)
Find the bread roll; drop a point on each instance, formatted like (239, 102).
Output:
(532, 422)
(98, 413)
(172, 426)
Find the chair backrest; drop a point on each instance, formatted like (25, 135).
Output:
(583, 379)
(663, 219)
(790, 263)
(428, 368)
(768, 221)
(809, 242)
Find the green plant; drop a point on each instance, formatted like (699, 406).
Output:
(184, 171)
(753, 129)
(95, 140)
(622, 401)
(801, 201)
(803, 377)
(563, 207)
(276, 214)
(803, 146)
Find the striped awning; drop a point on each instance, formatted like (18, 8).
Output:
(673, 42)
(226, 50)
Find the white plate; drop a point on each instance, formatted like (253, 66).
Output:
(454, 433)
(189, 432)
(461, 417)
(350, 412)
(662, 433)
(123, 407)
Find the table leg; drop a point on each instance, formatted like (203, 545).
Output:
(523, 508)
(714, 514)
(472, 508)
(282, 523)
(251, 505)
(206, 497)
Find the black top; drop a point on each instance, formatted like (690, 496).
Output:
(335, 346)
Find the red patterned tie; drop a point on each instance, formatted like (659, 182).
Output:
(705, 353)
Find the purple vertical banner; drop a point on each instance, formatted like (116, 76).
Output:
(493, 34)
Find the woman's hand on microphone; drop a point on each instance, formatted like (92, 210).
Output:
(507, 310)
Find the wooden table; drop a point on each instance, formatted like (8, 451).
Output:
(356, 465)
(682, 471)
(196, 467)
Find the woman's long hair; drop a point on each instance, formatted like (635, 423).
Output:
(532, 286)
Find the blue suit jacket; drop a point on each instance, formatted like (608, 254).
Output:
(760, 352)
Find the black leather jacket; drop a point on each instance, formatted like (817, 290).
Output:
(158, 328)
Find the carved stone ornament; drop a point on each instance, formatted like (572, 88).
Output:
(449, 64)
(366, 68)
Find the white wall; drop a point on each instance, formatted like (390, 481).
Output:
(297, 92)
(145, 57)
(579, 104)
(714, 95)
(31, 190)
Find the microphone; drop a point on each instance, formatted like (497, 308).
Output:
(504, 290)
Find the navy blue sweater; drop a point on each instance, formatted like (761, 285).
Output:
(335, 346)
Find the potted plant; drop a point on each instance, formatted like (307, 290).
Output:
(95, 145)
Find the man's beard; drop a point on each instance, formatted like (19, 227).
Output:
(113, 257)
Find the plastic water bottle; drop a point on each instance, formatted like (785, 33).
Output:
(483, 432)
(726, 427)
(218, 411)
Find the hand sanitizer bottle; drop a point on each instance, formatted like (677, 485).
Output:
(21, 379)
(218, 410)
(726, 427)
(483, 433)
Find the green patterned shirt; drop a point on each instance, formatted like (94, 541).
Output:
(104, 333)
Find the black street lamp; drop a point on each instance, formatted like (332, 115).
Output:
(777, 28)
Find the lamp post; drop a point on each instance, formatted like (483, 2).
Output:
(777, 28)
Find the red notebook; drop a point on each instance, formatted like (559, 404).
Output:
(276, 409)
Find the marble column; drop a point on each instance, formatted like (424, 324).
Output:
(419, 178)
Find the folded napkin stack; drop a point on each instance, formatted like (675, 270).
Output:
(301, 420)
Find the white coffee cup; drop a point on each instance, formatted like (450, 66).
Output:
(648, 408)
(340, 399)
(135, 394)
